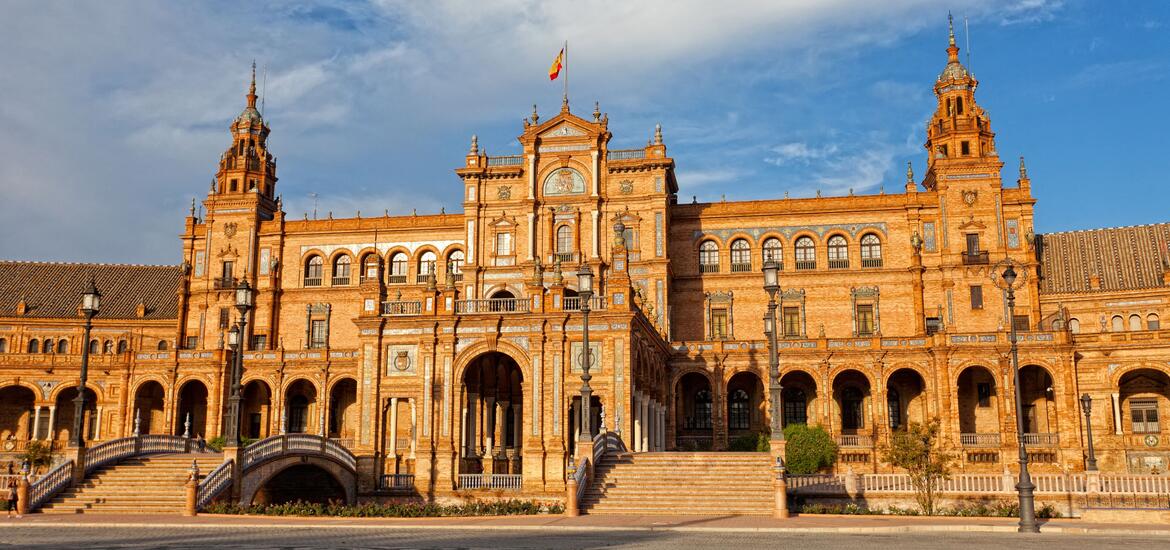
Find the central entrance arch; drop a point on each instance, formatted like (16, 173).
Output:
(493, 420)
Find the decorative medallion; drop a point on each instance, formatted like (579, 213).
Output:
(504, 192)
(229, 229)
(564, 181)
(969, 197)
(1151, 440)
(401, 360)
(626, 187)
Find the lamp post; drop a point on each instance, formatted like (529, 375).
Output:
(772, 287)
(585, 292)
(1026, 489)
(1087, 408)
(90, 302)
(236, 336)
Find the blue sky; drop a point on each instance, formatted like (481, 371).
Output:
(113, 113)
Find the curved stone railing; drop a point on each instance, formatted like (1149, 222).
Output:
(43, 489)
(215, 482)
(116, 450)
(279, 445)
(581, 476)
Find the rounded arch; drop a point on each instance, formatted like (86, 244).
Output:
(191, 398)
(423, 249)
(906, 402)
(871, 249)
(149, 406)
(709, 252)
(799, 395)
(259, 475)
(852, 392)
(63, 345)
(16, 412)
(301, 397)
(1038, 396)
(548, 171)
(741, 253)
(564, 238)
(24, 384)
(977, 400)
(492, 388)
(313, 269)
(1144, 395)
(66, 412)
(343, 414)
(466, 357)
(90, 388)
(340, 268)
(745, 402)
(837, 247)
(34, 345)
(1116, 376)
(255, 408)
(398, 264)
(772, 247)
(694, 409)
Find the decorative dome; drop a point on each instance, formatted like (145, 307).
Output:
(250, 114)
(954, 70)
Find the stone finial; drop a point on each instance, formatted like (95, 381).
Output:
(909, 173)
(535, 117)
(1023, 169)
(596, 111)
(657, 134)
(192, 207)
(619, 234)
(474, 145)
(558, 276)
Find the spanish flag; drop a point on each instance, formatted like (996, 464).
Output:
(555, 70)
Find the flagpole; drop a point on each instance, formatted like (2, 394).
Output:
(566, 98)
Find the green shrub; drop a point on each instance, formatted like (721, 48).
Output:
(512, 507)
(753, 442)
(38, 454)
(216, 443)
(809, 449)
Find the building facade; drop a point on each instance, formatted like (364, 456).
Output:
(452, 343)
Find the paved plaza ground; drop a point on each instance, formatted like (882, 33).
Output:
(674, 532)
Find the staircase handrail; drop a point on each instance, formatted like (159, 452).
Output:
(215, 482)
(45, 488)
(116, 450)
(291, 443)
(581, 476)
(599, 446)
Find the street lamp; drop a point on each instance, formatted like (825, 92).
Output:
(91, 301)
(236, 336)
(772, 287)
(1026, 489)
(585, 293)
(1087, 408)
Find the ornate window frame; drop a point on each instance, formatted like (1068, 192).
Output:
(716, 301)
(793, 297)
(861, 296)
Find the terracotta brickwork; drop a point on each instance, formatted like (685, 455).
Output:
(449, 346)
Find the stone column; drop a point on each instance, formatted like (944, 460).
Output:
(52, 423)
(662, 427)
(498, 429)
(394, 432)
(647, 424)
(35, 432)
(637, 412)
(97, 423)
(413, 430)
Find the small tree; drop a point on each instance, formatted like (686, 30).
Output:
(38, 454)
(919, 449)
(808, 449)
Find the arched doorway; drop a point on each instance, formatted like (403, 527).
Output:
(851, 392)
(255, 410)
(1038, 397)
(905, 399)
(66, 409)
(1145, 401)
(300, 406)
(302, 482)
(343, 412)
(694, 412)
(745, 404)
(978, 402)
(16, 413)
(799, 394)
(192, 407)
(595, 415)
(150, 408)
(493, 395)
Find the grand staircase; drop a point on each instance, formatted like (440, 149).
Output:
(153, 484)
(681, 483)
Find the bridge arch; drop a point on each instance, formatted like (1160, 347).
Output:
(299, 467)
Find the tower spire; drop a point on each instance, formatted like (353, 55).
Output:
(252, 87)
(952, 49)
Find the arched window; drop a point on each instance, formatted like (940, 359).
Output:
(3, 345)
(123, 346)
(1152, 322)
(708, 257)
(741, 256)
(1074, 325)
(773, 251)
(426, 266)
(701, 418)
(1135, 322)
(314, 271)
(94, 346)
(341, 270)
(108, 347)
(503, 244)
(455, 265)
(369, 267)
(894, 404)
(838, 252)
(852, 409)
(398, 267)
(62, 346)
(47, 346)
(795, 406)
(34, 345)
(564, 244)
(739, 411)
(162, 345)
(806, 253)
(1118, 323)
(871, 251)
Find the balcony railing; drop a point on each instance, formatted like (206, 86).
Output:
(871, 262)
(708, 268)
(626, 154)
(976, 258)
(402, 307)
(493, 305)
(697, 423)
(979, 440)
(1040, 439)
(854, 440)
(741, 268)
(839, 264)
(806, 264)
(490, 481)
(340, 280)
(563, 258)
(510, 160)
(396, 279)
(573, 303)
(398, 482)
(422, 278)
(224, 283)
(312, 281)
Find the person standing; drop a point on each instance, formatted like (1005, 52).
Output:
(11, 493)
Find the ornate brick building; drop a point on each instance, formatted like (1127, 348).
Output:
(447, 344)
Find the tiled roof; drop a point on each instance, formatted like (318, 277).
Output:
(1124, 258)
(53, 290)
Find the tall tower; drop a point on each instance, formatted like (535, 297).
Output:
(247, 171)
